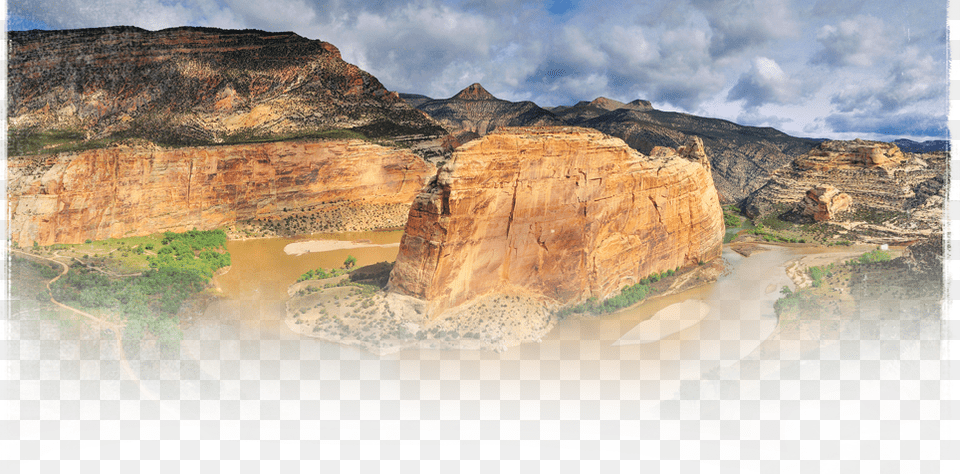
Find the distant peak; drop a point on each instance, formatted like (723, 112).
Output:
(607, 104)
(474, 92)
(641, 104)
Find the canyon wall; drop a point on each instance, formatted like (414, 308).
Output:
(139, 189)
(563, 213)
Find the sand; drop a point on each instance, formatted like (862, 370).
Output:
(667, 321)
(300, 248)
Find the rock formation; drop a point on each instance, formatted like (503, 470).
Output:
(742, 158)
(474, 112)
(823, 202)
(197, 86)
(894, 196)
(124, 191)
(560, 213)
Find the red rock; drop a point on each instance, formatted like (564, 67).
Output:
(559, 212)
(123, 191)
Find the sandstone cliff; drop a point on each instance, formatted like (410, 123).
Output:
(892, 196)
(561, 213)
(141, 189)
(197, 86)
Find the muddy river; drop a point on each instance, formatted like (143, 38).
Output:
(650, 348)
(706, 364)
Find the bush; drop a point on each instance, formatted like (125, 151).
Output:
(350, 261)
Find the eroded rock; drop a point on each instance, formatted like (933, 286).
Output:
(560, 213)
(138, 190)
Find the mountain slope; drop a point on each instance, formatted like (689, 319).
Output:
(193, 86)
(474, 112)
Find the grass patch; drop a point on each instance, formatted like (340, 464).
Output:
(25, 142)
(628, 296)
(29, 142)
(321, 274)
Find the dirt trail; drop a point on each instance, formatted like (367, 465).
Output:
(115, 327)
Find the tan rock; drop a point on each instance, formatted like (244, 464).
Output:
(562, 213)
(125, 191)
(823, 202)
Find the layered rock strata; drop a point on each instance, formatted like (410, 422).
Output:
(894, 196)
(141, 189)
(198, 86)
(560, 213)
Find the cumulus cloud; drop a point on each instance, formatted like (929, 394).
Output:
(860, 41)
(741, 24)
(765, 83)
(737, 59)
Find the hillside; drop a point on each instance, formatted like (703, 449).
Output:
(80, 89)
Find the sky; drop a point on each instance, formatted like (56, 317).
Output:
(838, 69)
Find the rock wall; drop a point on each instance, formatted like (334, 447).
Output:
(563, 213)
(138, 190)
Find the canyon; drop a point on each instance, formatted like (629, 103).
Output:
(518, 225)
(136, 188)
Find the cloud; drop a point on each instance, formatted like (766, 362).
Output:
(765, 83)
(861, 42)
(914, 79)
(738, 25)
(727, 58)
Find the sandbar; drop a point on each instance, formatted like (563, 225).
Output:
(306, 246)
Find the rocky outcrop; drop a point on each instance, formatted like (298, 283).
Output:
(559, 213)
(824, 202)
(125, 190)
(895, 197)
(197, 86)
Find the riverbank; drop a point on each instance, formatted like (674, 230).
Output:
(340, 311)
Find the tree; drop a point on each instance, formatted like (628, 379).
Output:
(350, 261)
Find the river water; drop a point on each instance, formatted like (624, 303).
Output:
(593, 389)
(738, 315)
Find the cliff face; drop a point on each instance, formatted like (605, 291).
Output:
(196, 86)
(138, 190)
(561, 213)
(891, 196)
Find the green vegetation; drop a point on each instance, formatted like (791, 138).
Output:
(794, 301)
(872, 256)
(818, 273)
(732, 216)
(149, 301)
(350, 261)
(321, 274)
(771, 236)
(29, 142)
(628, 296)
(23, 142)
